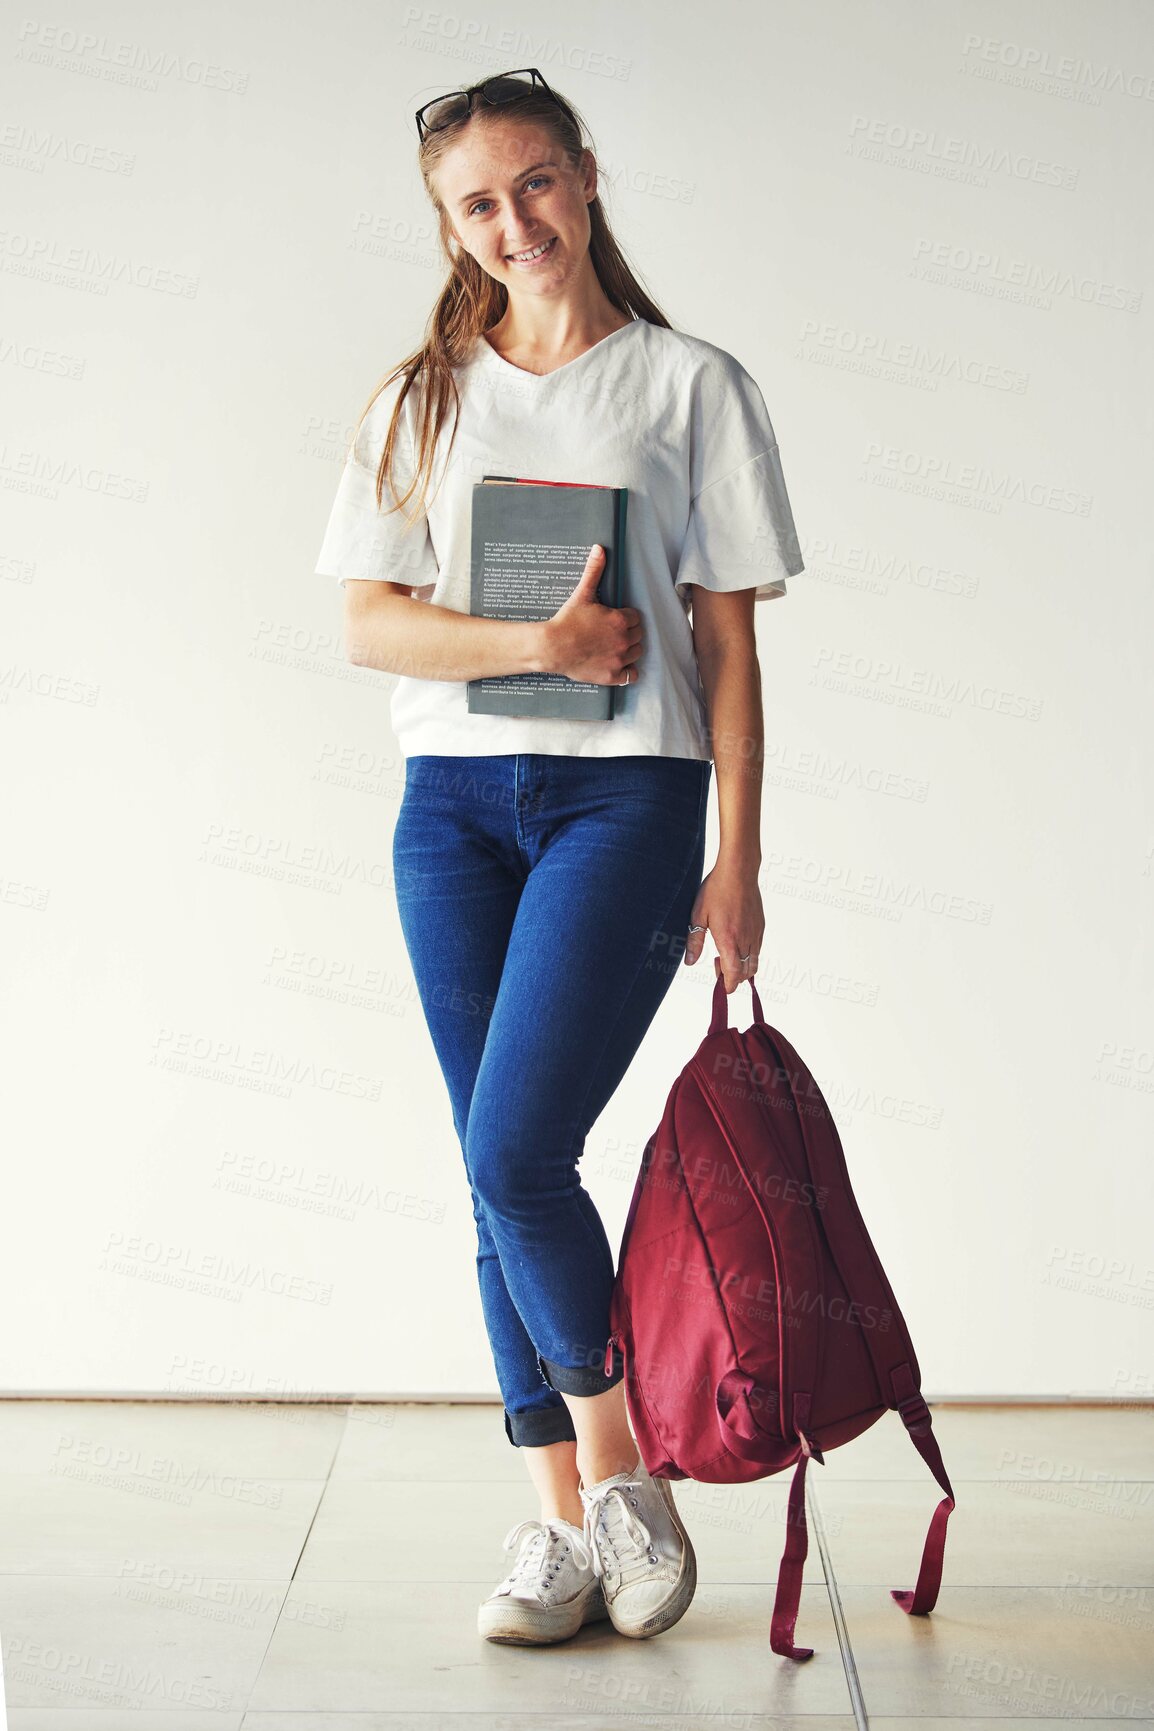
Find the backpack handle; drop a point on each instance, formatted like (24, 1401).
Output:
(721, 1008)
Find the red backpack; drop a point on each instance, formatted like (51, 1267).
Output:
(755, 1321)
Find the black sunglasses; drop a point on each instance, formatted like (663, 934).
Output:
(501, 87)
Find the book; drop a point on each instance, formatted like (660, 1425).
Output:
(530, 543)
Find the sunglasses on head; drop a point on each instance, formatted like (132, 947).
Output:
(458, 104)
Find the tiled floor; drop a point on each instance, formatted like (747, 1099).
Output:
(181, 1567)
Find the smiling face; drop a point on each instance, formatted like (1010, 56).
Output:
(508, 188)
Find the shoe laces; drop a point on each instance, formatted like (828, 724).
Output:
(538, 1561)
(626, 1538)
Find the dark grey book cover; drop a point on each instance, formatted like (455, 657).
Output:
(530, 542)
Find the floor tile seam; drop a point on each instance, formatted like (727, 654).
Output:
(833, 1593)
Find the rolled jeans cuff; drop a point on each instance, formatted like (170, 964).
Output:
(583, 1378)
(540, 1425)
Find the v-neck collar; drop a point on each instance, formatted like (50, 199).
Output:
(523, 372)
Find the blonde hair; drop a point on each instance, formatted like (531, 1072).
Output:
(471, 301)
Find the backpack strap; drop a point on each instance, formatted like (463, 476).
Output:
(740, 1431)
(916, 1418)
(796, 1544)
(719, 1021)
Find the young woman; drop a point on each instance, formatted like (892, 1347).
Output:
(549, 872)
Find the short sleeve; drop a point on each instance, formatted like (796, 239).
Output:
(361, 540)
(741, 532)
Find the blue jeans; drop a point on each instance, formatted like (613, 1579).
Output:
(545, 903)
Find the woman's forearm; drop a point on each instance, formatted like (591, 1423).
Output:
(731, 681)
(398, 634)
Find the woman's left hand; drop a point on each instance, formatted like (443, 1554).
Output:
(729, 906)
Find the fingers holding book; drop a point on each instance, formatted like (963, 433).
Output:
(587, 639)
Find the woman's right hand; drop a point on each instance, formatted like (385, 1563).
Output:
(585, 639)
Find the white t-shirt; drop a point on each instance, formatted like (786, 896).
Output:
(673, 418)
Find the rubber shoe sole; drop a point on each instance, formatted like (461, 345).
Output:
(517, 1623)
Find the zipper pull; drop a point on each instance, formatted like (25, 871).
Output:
(609, 1355)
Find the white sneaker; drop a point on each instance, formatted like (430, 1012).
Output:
(641, 1551)
(552, 1589)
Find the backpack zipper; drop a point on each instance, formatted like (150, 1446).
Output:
(784, 1419)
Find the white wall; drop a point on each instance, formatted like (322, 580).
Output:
(919, 228)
